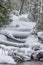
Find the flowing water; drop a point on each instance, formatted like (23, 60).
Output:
(28, 63)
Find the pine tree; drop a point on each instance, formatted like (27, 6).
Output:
(5, 9)
(39, 25)
(34, 8)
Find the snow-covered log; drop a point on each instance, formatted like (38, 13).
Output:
(15, 35)
(8, 43)
(20, 56)
(38, 54)
(3, 37)
(40, 36)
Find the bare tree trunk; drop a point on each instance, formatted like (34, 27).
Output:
(22, 1)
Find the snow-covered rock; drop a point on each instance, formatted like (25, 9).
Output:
(28, 52)
(36, 46)
(3, 37)
(12, 34)
(26, 58)
(7, 59)
(38, 54)
(15, 12)
(12, 48)
(21, 34)
(22, 50)
(40, 35)
(31, 40)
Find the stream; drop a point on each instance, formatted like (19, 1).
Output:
(28, 63)
(19, 34)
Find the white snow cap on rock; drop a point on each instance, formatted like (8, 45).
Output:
(31, 40)
(40, 34)
(28, 52)
(7, 59)
(2, 37)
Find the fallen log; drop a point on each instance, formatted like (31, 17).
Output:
(12, 34)
(8, 43)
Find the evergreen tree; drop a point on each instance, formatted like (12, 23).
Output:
(34, 9)
(39, 25)
(5, 9)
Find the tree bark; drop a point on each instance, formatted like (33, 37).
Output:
(22, 1)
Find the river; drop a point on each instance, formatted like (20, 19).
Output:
(24, 26)
(34, 62)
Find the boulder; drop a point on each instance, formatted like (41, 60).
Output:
(40, 36)
(3, 37)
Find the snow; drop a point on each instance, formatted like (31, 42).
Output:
(31, 40)
(28, 45)
(22, 24)
(18, 29)
(2, 37)
(40, 34)
(29, 52)
(6, 59)
(13, 34)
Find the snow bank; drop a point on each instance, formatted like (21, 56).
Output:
(7, 59)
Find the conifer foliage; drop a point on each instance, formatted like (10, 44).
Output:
(5, 9)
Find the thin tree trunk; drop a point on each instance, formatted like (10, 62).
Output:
(21, 7)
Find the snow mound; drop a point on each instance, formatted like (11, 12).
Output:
(14, 34)
(7, 59)
(2, 37)
(38, 54)
(40, 34)
(31, 40)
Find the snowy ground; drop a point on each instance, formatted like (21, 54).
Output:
(27, 45)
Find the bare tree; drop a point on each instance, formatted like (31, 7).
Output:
(22, 3)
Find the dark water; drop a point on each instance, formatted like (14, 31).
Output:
(31, 63)
(27, 63)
